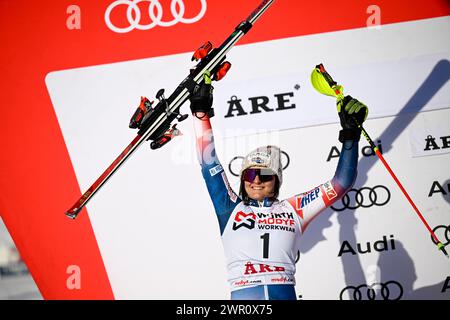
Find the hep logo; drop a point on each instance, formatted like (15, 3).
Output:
(244, 220)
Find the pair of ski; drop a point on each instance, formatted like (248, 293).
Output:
(154, 123)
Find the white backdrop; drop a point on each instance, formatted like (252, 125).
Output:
(154, 221)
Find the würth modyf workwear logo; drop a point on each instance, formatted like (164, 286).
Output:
(365, 198)
(242, 219)
(132, 19)
(391, 290)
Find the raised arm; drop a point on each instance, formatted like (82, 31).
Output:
(309, 204)
(223, 197)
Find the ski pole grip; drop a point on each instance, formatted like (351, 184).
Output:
(326, 75)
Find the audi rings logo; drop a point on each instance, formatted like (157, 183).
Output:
(391, 290)
(235, 165)
(364, 198)
(442, 232)
(155, 12)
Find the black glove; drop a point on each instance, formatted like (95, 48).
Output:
(202, 98)
(351, 113)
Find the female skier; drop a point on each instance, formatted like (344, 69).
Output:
(260, 234)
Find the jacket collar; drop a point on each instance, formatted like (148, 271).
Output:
(267, 202)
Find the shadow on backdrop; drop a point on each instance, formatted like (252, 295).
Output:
(400, 266)
(446, 195)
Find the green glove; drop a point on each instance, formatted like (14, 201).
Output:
(352, 114)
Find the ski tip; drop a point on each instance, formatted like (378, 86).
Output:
(73, 213)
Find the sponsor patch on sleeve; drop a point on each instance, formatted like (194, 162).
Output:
(329, 190)
(217, 169)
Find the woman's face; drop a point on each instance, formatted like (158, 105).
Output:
(258, 190)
